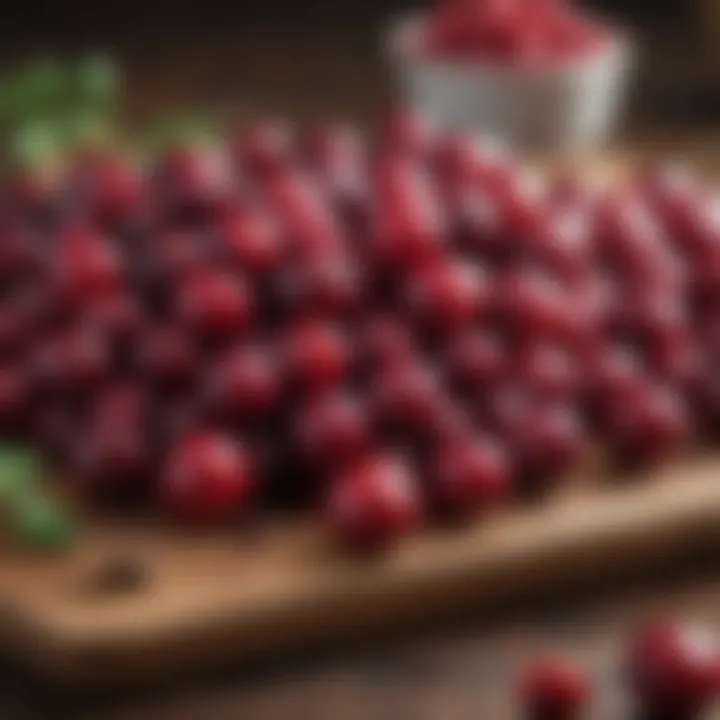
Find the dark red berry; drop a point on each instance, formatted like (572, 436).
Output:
(554, 689)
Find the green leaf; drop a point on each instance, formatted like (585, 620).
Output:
(20, 472)
(97, 83)
(34, 142)
(44, 524)
(36, 91)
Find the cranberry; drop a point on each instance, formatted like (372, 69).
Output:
(317, 355)
(122, 405)
(554, 689)
(673, 670)
(469, 475)
(332, 430)
(14, 397)
(409, 223)
(244, 383)
(17, 327)
(119, 317)
(73, 361)
(448, 294)
(408, 134)
(216, 303)
(192, 180)
(550, 370)
(264, 148)
(405, 396)
(648, 424)
(167, 357)
(523, 203)
(476, 358)
(384, 340)
(206, 478)
(373, 503)
(114, 460)
(253, 241)
(330, 285)
(86, 268)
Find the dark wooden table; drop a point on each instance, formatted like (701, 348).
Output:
(461, 670)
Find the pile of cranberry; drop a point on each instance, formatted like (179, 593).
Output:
(410, 327)
(532, 33)
(672, 672)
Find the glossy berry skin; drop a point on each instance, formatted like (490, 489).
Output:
(215, 303)
(207, 478)
(316, 356)
(242, 384)
(333, 430)
(549, 370)
(252, 242)
(405, 397)
(167, 357)
(470, 476)
(407, 134)
(673, 670)
(384, 340)
(648, 424)
(86, 268)
(263, 149)
(373, 504)
(476, 359)
(121, 405)
(447, 295)
(554, 689)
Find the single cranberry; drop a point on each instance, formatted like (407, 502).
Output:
(373, 503)
(448, 294)
(553, 688)
(14, 397)
(17, 328)
(330, 285)
(74, 361)
(469, 476)
(253, 241)
(333, 430)
(119, 317)
(243, 383)
(122, 404)
(264, 148)
(478, 228)
(86, 268)
(207, 478)
(114, 460)
(523, 203)
(216, 303)
(167, 357)
(476, 358)
(406, 396)
(549, 369)
(384, 339)
(407, 133)
(317, 355)
(648, 424)
(673, 670)
(19, 254)
(409, 225)
(175, 255)
(190, 180)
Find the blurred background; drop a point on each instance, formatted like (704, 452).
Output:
(320, 57)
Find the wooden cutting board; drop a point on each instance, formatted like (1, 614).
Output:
(241, 596)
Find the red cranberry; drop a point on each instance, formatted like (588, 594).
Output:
(407, 133)
(207, 478)
(19, 257)
(14, 397)
(405, 396)
(175, 255)
(317, 355)
(648, 424)
(523, 204)
(216, 303)
(114, 460)
(385, 340)
(476, 358)
(253, 241)
(469, 475)
(329, 285)
(16, 328)
(264, 148)
(243, 383)
(550, 370)
(167, 357)
(448, 294)
(74, 361)
(409, 223)
(121, 405)
(673, 670)
(333, 430)
(192, 179)
(373, 503)
(554, 689)
(118, 316)
(86, 268)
